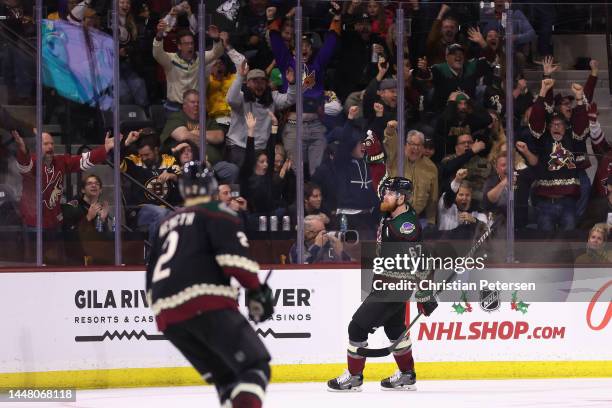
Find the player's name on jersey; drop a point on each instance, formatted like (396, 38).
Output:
(459, 285)
(184, 218)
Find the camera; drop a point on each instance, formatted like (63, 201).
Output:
(347, 237)
(234, 190)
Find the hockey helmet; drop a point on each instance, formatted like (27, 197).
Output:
(400, 185)
(197, 180)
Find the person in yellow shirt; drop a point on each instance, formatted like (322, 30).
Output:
(220, 79)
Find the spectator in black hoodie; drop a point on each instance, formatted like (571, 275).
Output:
(257, 183)
(357, 199)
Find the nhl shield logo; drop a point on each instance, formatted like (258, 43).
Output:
(489, 300)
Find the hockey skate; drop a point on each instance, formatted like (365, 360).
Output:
(345, 383)
(400, 381)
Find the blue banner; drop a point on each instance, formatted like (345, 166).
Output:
(78, 63)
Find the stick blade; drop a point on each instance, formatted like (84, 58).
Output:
(366, 352)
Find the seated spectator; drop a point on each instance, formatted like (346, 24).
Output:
(456, 209)
(357, 199)
(156, 172)
(313, 199)
(229, 194)
(461, 116)
(56, 168)
(256, 98)
(557, 187)
(87, 219)
(182, 67)
(429, 148)
(283, 176)
(455, 74)
(597, 251)
(467, 155)
(418, 169)
(256, 178)
(319, 247)
(183, 126)
(225, 172)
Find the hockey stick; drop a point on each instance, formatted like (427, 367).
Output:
(385, 351)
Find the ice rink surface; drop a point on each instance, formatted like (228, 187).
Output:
(579, 393)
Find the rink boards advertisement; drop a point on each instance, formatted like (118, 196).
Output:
(67, 321)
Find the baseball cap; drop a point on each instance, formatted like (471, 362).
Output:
(255, 74)
(429, 143)
(454, 47)
(388, 83)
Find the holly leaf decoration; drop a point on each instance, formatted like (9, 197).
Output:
(458, 308)
(522, 307)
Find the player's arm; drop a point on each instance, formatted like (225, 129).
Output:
(231, 246)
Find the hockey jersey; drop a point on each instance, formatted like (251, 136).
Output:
(195, 253)
(52, 183)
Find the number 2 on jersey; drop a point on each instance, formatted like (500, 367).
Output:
(169, 248)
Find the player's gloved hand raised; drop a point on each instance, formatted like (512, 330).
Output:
(428, 307)
(260, 303)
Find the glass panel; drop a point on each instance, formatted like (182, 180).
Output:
(341, 71)
(77, 185)
(17, 100)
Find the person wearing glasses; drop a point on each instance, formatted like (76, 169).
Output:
(419, 169)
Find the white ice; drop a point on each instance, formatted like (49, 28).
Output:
(557, 393)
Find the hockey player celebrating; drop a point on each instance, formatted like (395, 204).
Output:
(196, 251)
(399, 224)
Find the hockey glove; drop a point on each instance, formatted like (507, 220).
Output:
(260, 303)
(428, 307)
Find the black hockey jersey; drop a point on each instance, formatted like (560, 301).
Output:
(195, 253)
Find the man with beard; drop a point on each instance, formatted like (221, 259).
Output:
(456, 74)
(257, 98)
(157, 172)
(461, 116)
(456, 210)
(54, 169)
(557, 186)
(399, 224)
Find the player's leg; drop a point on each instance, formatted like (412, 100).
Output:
(370, 315)
(204, 360)
(230, 336)
(405, 377)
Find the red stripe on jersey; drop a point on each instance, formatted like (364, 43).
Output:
(247, 279)
(192, 308)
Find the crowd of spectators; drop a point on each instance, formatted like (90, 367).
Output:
(455, 150)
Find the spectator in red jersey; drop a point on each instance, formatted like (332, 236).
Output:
(54, 169)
